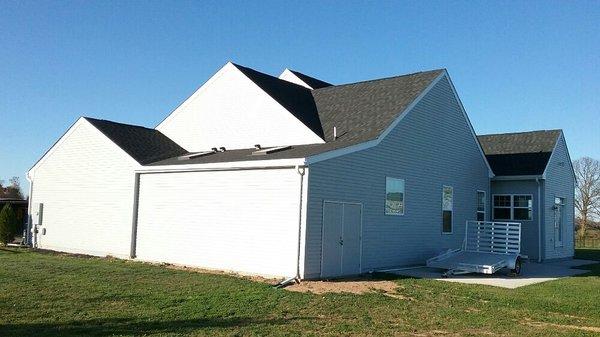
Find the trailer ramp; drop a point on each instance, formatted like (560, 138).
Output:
(488, 247)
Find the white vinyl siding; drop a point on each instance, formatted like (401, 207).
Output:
(86, 187)
(232, 111)
(244, 221)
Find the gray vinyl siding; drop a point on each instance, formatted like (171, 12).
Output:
(431, 147)
(529, 228)
(559, 183)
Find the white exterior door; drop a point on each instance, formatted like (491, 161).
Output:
(558, 221)
(341, 250)
(245, 221)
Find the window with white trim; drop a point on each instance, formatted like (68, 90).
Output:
(447, 205)
(513, 207)
(522, 207)
(394, 196)
(480, 205)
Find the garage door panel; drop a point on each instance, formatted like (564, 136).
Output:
(231, 220)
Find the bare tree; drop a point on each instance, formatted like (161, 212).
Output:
(13, 190)
(587, 191)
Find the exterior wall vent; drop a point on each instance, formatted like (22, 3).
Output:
(270, 150)
(194, 155)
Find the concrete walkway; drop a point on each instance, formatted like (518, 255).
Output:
(531, 273)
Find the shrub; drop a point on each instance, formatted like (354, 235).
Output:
(8, 224)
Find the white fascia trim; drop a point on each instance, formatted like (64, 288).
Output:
(558, 139)
(31, 173)
(318, 139)
(462, 108)
(524, 177)
(371, 143)
(133, 161)
(60, 140)
(197, 92)
(254, 164)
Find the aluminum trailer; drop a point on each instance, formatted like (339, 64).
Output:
(488, 247)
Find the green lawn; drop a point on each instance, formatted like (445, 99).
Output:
(50, 295)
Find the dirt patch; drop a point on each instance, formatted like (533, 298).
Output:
(563, 326)
(352, 286)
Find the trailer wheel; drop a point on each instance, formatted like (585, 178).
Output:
(517, 270)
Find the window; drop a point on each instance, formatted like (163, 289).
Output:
(513, 207)
(522, 207)
(447, 201)
(394, 196)
(480, 205)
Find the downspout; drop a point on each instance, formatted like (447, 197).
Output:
(539, 211)
(134, 217)
(296, 279)
(29, 236)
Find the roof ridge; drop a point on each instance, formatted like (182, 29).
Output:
(380, 79)
(265, 74)
(304, 78)
(519, 132)
(113, 122)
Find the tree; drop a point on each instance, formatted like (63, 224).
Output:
(13, 190)
(8, 224)
(587, 191)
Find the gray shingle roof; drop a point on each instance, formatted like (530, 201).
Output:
(521, 153)
(362, 111)
(359, 111)
(142, 144)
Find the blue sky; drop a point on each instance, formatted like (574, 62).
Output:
(516, 65)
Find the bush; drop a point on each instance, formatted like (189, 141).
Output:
(8, 224)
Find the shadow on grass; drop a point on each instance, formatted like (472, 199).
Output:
(11, 250)
(587, 254)
(123, 326)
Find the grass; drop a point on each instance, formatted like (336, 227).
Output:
(57, 295)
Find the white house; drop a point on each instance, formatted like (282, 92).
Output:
(296, 177)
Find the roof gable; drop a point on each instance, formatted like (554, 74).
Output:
(303, 79)
(142, 144)
(293, 97)
(239, 107)
(362, 111)
(521, 153)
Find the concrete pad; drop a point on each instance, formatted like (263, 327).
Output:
(531, 273)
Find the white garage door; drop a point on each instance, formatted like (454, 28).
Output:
(244, 221)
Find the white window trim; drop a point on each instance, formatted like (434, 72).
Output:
(442, 209)
(477, 211)
(511, 207)
(403, 198)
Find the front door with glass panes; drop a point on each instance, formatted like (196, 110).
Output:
(558, 221)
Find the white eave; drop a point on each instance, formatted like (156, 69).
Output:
(225, 166)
